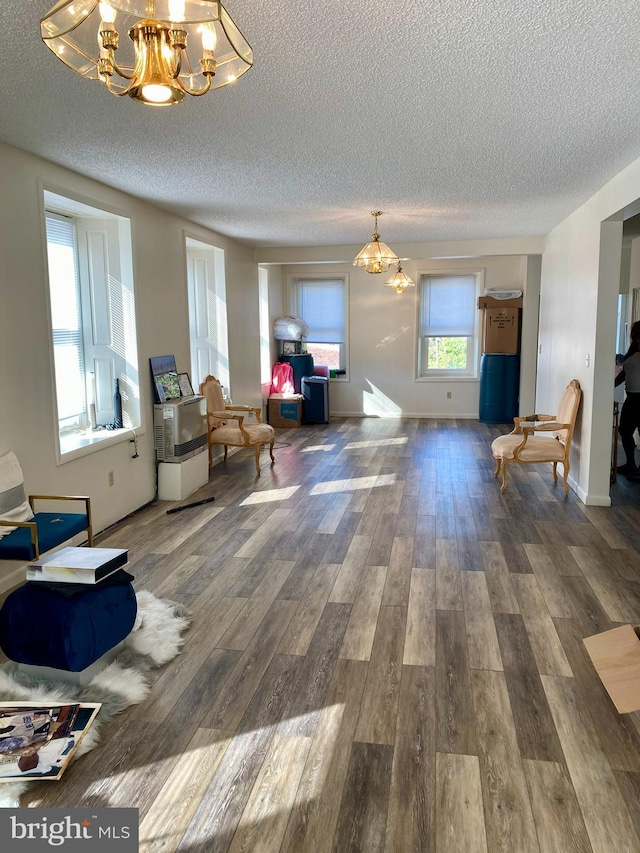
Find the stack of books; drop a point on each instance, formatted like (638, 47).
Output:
(78, 565)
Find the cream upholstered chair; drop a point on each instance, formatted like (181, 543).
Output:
(523, 445)
(227, 426)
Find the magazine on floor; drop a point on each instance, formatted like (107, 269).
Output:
(37, 741)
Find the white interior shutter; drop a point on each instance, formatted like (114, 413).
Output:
(66, 316)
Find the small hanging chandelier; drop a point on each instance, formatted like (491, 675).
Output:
(399, 281)
(376, 256)
(176, 48)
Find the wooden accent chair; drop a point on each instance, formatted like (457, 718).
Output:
(227, 427)
(523, 445)
(25, 534)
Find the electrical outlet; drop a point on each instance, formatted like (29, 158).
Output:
(448, 395)
(110, 478)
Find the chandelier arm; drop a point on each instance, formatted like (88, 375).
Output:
(120, 71)
(177, 62)
(195, 92)
(107, 83)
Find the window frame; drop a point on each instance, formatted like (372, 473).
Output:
(208, 311)
(293, 280)
(423, 373)
(78, 420)
(60, 201)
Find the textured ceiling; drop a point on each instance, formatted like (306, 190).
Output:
(460, 119)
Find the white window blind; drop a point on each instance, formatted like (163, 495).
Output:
(66, 317)
(449, 307)
(321, 306)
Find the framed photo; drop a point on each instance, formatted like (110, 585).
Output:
(185, 385)
(161, 367)
(167, 386)
(161, 397)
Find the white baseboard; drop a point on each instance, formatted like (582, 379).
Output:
(445, 416)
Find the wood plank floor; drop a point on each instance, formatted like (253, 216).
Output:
(386, 655)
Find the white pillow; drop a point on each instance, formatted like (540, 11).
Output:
(13, 504)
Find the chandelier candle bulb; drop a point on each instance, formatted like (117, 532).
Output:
(176, 10)
(107, 16)
(208, 41)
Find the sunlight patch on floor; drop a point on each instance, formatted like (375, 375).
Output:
(380, 442)
(275, 792)
(351, 485)
(375, 402)
(170, 815)
(315, 447)
(269, 495)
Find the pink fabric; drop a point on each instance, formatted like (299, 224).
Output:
(282, 379)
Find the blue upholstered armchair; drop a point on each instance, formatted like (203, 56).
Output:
(26, 534)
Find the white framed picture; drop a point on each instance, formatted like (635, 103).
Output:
(185, 385)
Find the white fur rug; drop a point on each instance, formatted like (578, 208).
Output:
(155, 640)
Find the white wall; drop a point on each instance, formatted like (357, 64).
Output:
(27, 422)
(382, 335)
(578, 292)
(276, 309)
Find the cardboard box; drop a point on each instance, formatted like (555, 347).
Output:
(501, 330)
(616, 656)
(492, 302)
(285, 412)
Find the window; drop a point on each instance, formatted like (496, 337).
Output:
(207, 313)
(322, 304)
(66, 321)
(92, 312)
(448, 323)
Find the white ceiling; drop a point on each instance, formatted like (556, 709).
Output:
(460, 119)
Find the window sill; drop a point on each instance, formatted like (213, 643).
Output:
(84, 443)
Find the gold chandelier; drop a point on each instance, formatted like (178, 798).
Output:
(399, 281)
(376, 256)
(178, 47)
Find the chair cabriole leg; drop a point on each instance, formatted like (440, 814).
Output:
(504, 476)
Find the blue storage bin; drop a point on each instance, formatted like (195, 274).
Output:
(315, 400)
(499, 388)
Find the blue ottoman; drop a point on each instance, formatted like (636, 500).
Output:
(67, 626)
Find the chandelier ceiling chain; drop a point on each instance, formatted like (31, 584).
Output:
(376, 256)
(175, 47)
